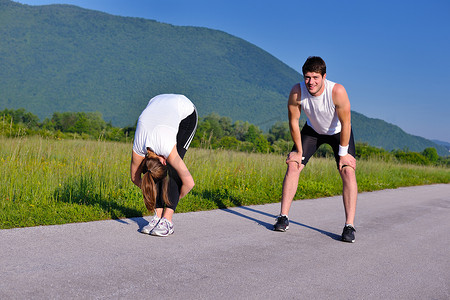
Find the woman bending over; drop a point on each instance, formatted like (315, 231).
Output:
(164, 132)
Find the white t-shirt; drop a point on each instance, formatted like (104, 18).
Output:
(321, 110)
(157, 126)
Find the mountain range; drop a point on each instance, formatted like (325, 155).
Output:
(57, 58)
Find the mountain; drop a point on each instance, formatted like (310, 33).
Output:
(58, 58)
(442, 143)
(446, 144)
(65, 58)
(381, 134)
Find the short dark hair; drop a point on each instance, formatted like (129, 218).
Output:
(314, 64)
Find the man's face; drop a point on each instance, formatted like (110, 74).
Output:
(315, 83)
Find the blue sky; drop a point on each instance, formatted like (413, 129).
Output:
(393, 57)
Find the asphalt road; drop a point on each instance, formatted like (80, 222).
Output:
(402, 251)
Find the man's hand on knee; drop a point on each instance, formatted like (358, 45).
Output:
(294, 157)
(347, 161)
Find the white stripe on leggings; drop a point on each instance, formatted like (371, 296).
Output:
(188, 142)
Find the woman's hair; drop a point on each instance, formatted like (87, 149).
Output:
(314, 64)
(154, 172)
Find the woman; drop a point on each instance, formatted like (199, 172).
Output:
(164, 131)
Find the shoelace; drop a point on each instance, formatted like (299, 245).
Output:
(282, 217)
(154, 221)
(164, 222)
(350, 227)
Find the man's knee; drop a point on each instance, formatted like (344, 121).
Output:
(294, 168)
(347, 171)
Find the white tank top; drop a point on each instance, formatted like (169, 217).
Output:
(320, 111)
(157, 126)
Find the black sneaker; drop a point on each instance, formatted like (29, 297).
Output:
(348, 234)
(282, 224)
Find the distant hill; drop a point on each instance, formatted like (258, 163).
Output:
(442, 143)
(65, 58)
(58, 58)
(381, 134)
(445, 144)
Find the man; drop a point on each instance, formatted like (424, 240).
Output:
(327, 108)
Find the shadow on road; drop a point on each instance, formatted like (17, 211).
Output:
(269, 226)
(218, 196)
(140, 221)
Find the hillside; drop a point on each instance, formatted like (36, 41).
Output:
(379, 133)
(58, 58)
(65, 58)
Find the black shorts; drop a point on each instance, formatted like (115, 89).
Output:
(311, 141)
(186, 132)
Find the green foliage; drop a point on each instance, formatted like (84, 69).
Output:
(411, 157)
(427, 157)
(89, 123)
(279, 131)
(365, 151)
(14, 123)
(431, 154)
(47, 181)
(214, 132)
(21, 116)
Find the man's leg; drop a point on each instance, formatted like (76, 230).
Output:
(290, 184)
(349, 193)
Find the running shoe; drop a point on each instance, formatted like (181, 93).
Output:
(153, 222)
(348, 234)
(164, 228)
(282, 223)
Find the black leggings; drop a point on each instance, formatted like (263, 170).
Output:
(186, 132)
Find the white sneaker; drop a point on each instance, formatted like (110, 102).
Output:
(164, 228)
(153, 222)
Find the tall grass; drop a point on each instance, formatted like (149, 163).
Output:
(44, 181)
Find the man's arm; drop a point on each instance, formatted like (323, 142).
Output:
(342, 103)
(294, 111)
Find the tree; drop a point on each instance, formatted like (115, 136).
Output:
(21, 116)
(431, 154)
(280, 131)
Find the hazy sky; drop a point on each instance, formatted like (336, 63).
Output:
(393, 57)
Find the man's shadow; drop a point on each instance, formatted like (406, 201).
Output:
(219, 195)
(269, 226)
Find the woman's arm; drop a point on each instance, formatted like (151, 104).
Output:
(186, 178)
(135, 169)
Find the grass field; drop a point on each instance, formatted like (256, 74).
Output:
(45, 182)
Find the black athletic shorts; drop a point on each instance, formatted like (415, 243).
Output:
(186, 132)
(311, 141)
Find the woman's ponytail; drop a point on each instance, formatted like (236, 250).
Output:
(149, 191)
(154, 172)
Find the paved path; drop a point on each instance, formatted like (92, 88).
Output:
(402, 251)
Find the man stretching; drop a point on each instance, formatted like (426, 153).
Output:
(327, 108)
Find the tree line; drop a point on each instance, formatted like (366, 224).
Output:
(213, 132)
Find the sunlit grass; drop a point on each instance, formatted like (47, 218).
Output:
(45, 182)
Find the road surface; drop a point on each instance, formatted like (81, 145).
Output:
(402, 251)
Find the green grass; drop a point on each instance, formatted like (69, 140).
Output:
(45, 182)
